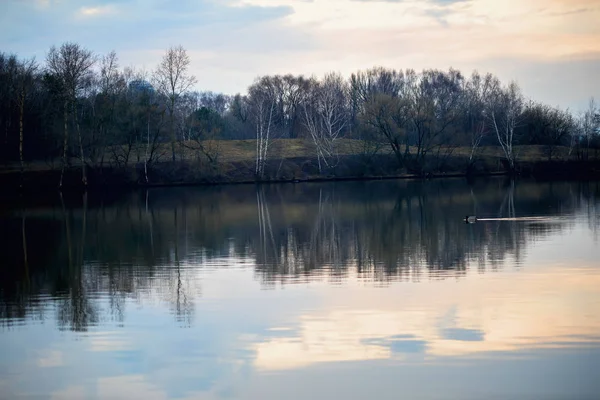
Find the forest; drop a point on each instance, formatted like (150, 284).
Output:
(79, 118)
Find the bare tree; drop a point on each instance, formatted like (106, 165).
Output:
(110, 86)
(290, 92)
(477, 91)
(25, 81)
(109, 73)
(504, 113)
(173, 80)
(240, 108)
(152, 113)
(377, 98)
(326, 115)
(217, 102)
(547, 126)
(589, 124)
(189, 103)
(387, 116)
(262, 97)
(71, 64)
(377, 80)
(205, 126)
(434, 99)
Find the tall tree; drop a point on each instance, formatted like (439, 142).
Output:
(504, 112)
(291, 92)
(263, 100)
(434, 99)
(9, 67)
(72, 65)
(25, 81)
(589, 126)
(379, 101)
(110, 86)
(377, 80)
(476, 96)
(388, 117)
(173, 80)
(326, 115)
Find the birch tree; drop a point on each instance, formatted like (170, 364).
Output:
(72, 65)
(173, 80)
(504, 111)
(262, 104)
(326, 115)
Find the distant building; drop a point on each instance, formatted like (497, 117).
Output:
(141, 86)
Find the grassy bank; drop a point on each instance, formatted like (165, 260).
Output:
(291, 160)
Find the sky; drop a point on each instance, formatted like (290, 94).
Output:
(550, 47)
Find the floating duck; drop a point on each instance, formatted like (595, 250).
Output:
(470, 219)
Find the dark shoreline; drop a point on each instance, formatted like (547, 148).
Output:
(36, 182)
(123, 179)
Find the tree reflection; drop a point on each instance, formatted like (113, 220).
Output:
(77, 311)
(96, 254)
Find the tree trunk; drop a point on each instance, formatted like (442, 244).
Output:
(21, 112)
(147, 148)
(172, 127)
(83, 174)
(65, 142)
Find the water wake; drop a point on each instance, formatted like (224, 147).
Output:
(535, 219)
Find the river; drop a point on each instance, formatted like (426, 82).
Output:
(346, 290)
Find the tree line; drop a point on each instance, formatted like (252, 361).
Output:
(80, 109)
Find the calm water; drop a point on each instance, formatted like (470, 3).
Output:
(356, 290)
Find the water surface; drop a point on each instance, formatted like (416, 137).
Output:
(346, 290)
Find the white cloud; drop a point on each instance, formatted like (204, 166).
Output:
(97, 11)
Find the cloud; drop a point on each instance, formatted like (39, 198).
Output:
(233, 41)
(96, 11)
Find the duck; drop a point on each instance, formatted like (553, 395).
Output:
(470, 219)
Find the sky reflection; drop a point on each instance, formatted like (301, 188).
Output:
(512, 312)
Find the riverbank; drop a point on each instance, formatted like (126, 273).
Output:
(288, 170)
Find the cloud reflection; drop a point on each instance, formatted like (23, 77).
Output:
(509, 313)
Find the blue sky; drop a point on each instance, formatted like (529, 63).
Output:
(551, 47)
